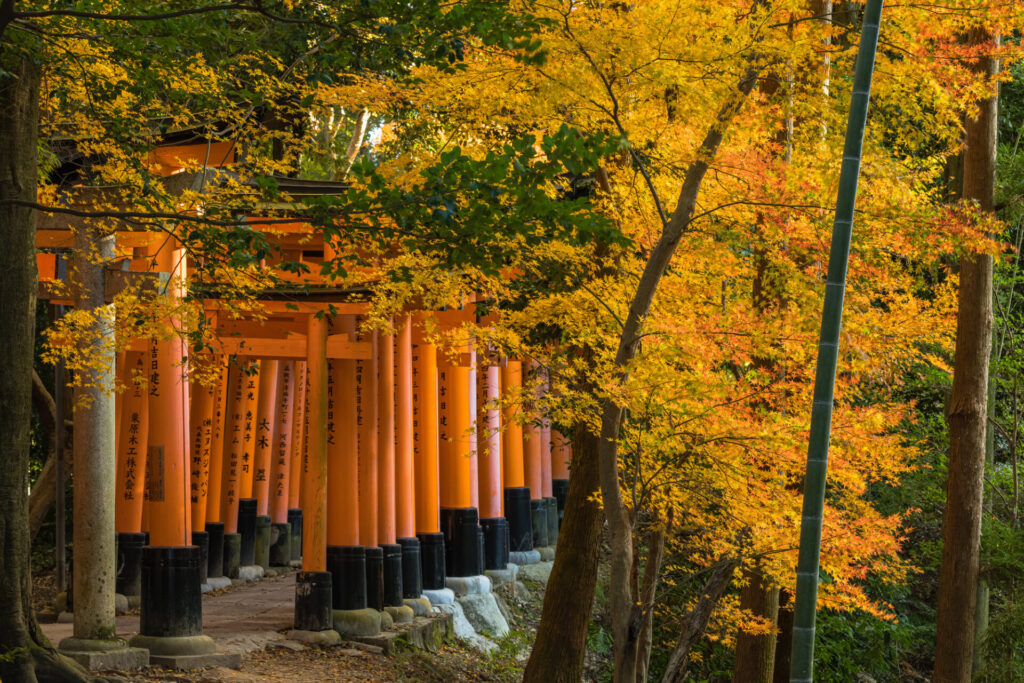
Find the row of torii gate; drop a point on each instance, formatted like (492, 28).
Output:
(378, 462)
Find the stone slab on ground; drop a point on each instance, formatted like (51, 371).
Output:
(230, 660)
(423, 633)
(245, 643)
(124, 659)
(524, 557)
(468, 585)
(539, 572)
(429, 633)
(482, 612)
(439, 596)
(387, 642)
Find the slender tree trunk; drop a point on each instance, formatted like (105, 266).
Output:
(561, 641)
(697, 620)
(25, 653)
(784, 643)
(355, 143)
(652, 569)
(43, 490)
(961, 523)
(625, 625)
(755, 654)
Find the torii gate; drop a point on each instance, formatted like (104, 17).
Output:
(409, 499)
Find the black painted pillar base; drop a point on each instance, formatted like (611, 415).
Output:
(412, 570)
(263, 541)
(295, 519)
(232, 555)
(280, 544)
(495, 542)
(375, 577)
(313, 601)
(461, 541)
(552, 512)
(392, 574)
(129, 563)
(247, 528)
(201, 540)
(517, 512)
(560, 487)
(347, 565)
(215, 550)
(432, 560)
(539, 517)
(171, 597)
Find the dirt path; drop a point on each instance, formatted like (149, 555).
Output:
(250, 619)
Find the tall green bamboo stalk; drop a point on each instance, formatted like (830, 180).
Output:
(805, 608)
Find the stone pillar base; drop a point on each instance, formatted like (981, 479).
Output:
(357, 622)
(104, 655)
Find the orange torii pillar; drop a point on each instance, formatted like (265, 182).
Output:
(262, 456)
(201, 411)
(366, 415)
(517, 494)
(561, 456)
(534, 469)
(488, 440)
(405, 495)
(281, 535)
(425, 460)
(131, 473)
(550, 502)
(246, 475)
(313, 584)
(459, 518)
(214, 525)
(172, 612)
(386, 536)
(231, 466)
(346, 558)
(299, 420)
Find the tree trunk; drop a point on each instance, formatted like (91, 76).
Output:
(25, 653)
(784, 643)
(961, 523)
(561, 642)
(652, 569)
(43, 491)
(755, 654)
(625, 625)
(697, 620)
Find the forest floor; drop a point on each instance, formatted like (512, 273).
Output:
(250, 619)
